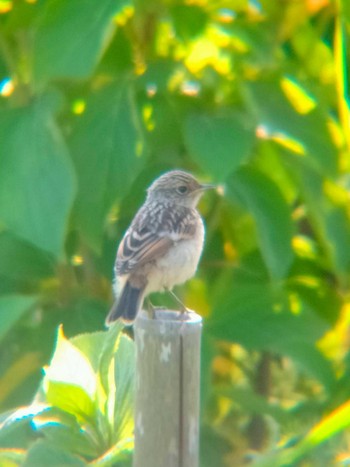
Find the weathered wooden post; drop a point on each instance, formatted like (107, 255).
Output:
(167, 389)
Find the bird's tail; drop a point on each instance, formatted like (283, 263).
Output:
(127, 306)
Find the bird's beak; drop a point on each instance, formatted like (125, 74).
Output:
(208, 186)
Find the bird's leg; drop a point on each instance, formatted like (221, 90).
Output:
(183, 309)
(151, 309)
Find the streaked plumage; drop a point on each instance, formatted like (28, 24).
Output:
(162, 246)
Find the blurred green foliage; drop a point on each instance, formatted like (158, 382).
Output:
(97, 99)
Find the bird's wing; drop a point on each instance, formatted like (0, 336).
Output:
(137, 249)
(150, 236)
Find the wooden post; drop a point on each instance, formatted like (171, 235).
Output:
(167, 389)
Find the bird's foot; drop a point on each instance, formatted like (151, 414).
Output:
(183, 309)
(152, 309)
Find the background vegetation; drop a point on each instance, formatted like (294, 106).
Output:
(97, 99)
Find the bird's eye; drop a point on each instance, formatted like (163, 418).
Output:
(182, 189)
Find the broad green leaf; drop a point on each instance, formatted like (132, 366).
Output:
(63, 430)
(11, 457)
(327, 204)
(124, 374)
(91, 345)
(70, 37)
(37, 183)
(272, 215)
(256, 316)
(70, 398)
(70, 366)
(108, 350)
(22, 261)
(305, 134)
(43, 454)
(63, 437)
(189, 20)
(12, 307)
(106, 145)
(15, 429)
(218, 143)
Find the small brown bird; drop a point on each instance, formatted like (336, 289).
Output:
(162, 246)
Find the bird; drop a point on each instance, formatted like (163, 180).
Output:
(162, 246)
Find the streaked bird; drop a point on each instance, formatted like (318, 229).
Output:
(162, 246)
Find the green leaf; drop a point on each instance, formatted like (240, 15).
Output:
(70, 398)
(106, 155)
(12, 307)
(271, 213)
(189, 20)
(37, 190)
(124, 374)
(70, 37)
(90, 344)
(107, 353)
(43, 454)
(279, 119)
(337, 229)
(345, 10)
(11, 458)
(256, 316)
(70, 366)
(327, 205)
(22, 261)
(63, 431)
(219, 143)
(15, 429)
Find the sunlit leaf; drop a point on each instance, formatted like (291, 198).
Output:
(70, 398)
(299, 97)
(70, 366)
(336, 421)
(278, 116)
(110, 347)
(90, 344)
(124, 373)
(329, 426)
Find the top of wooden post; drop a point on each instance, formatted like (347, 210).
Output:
(166, 320)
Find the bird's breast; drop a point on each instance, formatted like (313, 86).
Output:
(178, 265)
